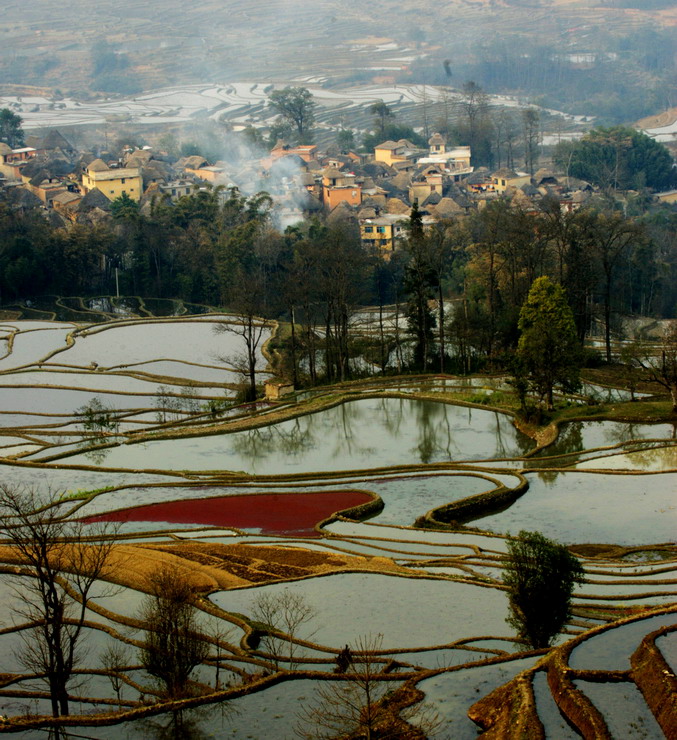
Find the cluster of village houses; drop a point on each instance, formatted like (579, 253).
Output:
(376, 190)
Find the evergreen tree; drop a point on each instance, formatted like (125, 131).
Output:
(419, 279)
(548, 348)
(540, 575)
(618, 157)
(10, 128)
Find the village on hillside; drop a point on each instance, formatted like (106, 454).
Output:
(377, 190)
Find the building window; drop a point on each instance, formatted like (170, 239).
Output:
(368, 229)
(381, 229)
(123, 180)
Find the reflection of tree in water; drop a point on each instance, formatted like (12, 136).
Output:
(182, 725)
(524, 443)
(656, 457)
(348, 442)
(97, 454)
(549, 476)
(437, 438)
(356, 429)
(100, 424)
(501, 449)
(569, 440)
(392, 414)
(434, 439)
(291, 438)
(619, 432)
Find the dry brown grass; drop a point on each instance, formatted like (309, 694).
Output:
(211, 566)
(665, 118)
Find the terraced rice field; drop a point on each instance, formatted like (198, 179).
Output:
(322, 497)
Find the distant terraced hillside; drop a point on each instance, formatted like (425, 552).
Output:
(163, 42)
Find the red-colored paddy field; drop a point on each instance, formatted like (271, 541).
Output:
(271, 513)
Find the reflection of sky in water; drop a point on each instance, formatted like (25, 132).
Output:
(611, 650)
(452, 694)
(355, 604)
(99, 382)
(361, 434)
(443, 658)
(59, 401)
(361, 529)
(407, 499)
(122, 345)
(667, 644)
(32, 346)
(548, 712)
(623, 708)
(50, 481)
(579, 507)
(179, 369)
(261, 716)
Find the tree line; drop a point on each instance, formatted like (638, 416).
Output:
(220, 248)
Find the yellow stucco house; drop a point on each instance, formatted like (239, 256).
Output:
(504, 178)
(113, 182)
(390, 152)
(383, 232)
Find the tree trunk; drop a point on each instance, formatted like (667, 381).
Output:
(398, 346)
(381, 333)
(440, 299)
(607, 317)
(294, 372)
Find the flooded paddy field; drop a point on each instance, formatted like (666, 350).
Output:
(134, 424)
(345, 605)
(360, 434)
(574, 507)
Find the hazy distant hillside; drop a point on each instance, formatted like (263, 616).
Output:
(509, 45)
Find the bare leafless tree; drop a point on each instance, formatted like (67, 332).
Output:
(661, 366)
(283, 615)
(219, 633)
(359, 704)
(62, 560)
(247, 307)
(114, 660)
